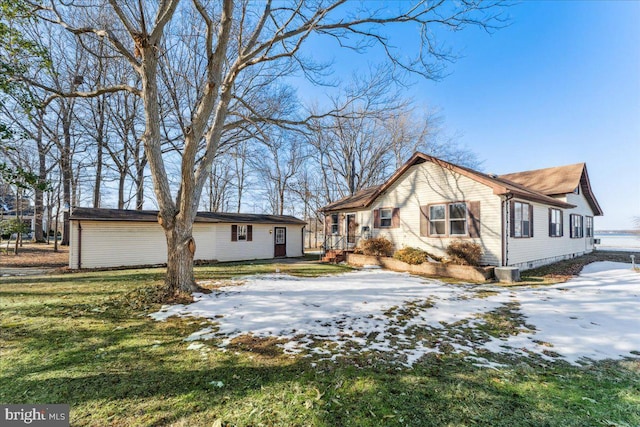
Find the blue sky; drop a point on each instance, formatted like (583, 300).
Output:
(559, 85)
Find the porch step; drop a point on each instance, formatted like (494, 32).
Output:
(334, 256)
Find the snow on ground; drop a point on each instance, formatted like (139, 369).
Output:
(405, 317)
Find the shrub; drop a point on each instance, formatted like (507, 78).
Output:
(377, 246)
(464, 253)
(411, 255)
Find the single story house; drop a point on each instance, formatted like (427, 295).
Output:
(114, 238)
(523, 220)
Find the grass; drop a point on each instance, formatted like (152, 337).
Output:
(564, 270)
(78, 339)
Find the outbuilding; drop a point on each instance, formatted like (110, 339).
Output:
(103, 238)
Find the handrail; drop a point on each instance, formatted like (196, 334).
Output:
(339, 242)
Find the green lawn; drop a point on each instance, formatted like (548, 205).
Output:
(85, 339)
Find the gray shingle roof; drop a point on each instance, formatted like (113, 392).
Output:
(95, 214)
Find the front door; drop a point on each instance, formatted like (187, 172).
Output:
(351, 229)
(280, 241)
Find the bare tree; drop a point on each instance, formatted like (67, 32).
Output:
(239, 42)
(278, 164)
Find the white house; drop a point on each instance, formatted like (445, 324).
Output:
(524, 219)
(116, 238)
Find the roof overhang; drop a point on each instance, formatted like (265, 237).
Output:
(498, 185)
(101, 214)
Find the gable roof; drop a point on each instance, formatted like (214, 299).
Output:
(500, 186)
(100, 214)
(358, 200)
(557, 181)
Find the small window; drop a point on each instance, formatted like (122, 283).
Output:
(521, 219)
(555, 222)
(577, 230)
(334, 223)
(437, 220)
(385, 217)
(458, 219)
(242, 232)
(588, 226)
(280, 236)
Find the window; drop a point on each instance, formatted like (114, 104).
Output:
(280, 236)
(577, 231)
(437, 220)
(385, 217)
(458, 219)
(334, 223)
(522, 219)
(555, 223)
(241, 233)
(588, 226)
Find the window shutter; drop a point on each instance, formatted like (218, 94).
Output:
(474, 219)
(249, 233)
(424, 221)
(551, 231)
(395, 218)
(572, 229)
(561, 223)
(376, 218)
(234, 233)
(530, 220)
(512, 218)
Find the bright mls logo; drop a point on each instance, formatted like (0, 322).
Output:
(34, 415)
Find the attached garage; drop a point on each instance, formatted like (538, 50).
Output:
(116, 238)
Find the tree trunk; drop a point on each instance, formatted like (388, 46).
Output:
(180, 276)
(121, 183)
(98, 181)
(67, 176)
(38, 209)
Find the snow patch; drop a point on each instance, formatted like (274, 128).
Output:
(406, 317)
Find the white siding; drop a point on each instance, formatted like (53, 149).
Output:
(262, 245)
(116, 243)
(120, 243)
(527, 253)
(426, 184)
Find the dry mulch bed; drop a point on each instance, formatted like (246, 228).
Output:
(33, 255)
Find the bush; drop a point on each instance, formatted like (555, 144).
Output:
(464, 253)
(412, 255)
(377, 246)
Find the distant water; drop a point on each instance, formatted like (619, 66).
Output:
(618, 242)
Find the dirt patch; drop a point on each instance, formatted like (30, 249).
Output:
(34, 255)
(263, 346)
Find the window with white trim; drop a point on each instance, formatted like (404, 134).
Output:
(555, 222)
(577, 229)
(385, 217)
(588, 226)
(334, 224)
(242, 232)
(521, 219)
(437, 220)
(458, 219)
